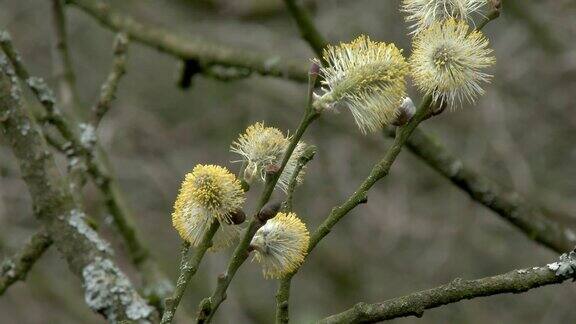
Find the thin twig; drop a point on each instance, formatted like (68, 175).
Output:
(188, 267)
(516, 281)
(16, 267)
(63, 60)
(110, 86)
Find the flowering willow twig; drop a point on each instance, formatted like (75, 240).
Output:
(88, 256)
(516, 281)
(78, 149)
(16, 267)
(188, 267)
(208, 307)
(379, 171)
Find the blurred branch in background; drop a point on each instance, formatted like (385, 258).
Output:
(306, 27)
(108, 90)
(68, 92)
(543, 35)
(507, 203)
(205, 52)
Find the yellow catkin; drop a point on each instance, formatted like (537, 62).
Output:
(448, 60)
(209, 193)
(281, 245)
(367, 76)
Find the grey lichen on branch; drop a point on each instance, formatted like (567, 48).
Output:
(56, 209)
(516, 281)
(79, 148)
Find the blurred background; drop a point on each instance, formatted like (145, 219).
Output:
(417, 231)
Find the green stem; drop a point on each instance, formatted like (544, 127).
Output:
(188, 267)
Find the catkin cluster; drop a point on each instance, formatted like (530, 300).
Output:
(447, 63)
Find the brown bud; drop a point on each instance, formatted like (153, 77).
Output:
(496, 4)
(271, 169)
(238, 217)
(314, 68)
(269, 211)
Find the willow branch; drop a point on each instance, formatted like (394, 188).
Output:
(110, 86)
(188, 267)
(63, 60)
(209, 306)
(205, 52)
(87, 255)
(78, 149)
(516, 281)
(16, 268)
(509, 204)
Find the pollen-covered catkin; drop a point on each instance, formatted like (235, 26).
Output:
(421, 14)
(367, 76)
(448, 60)
(262, 147)
(280, 246)
(209, 193)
